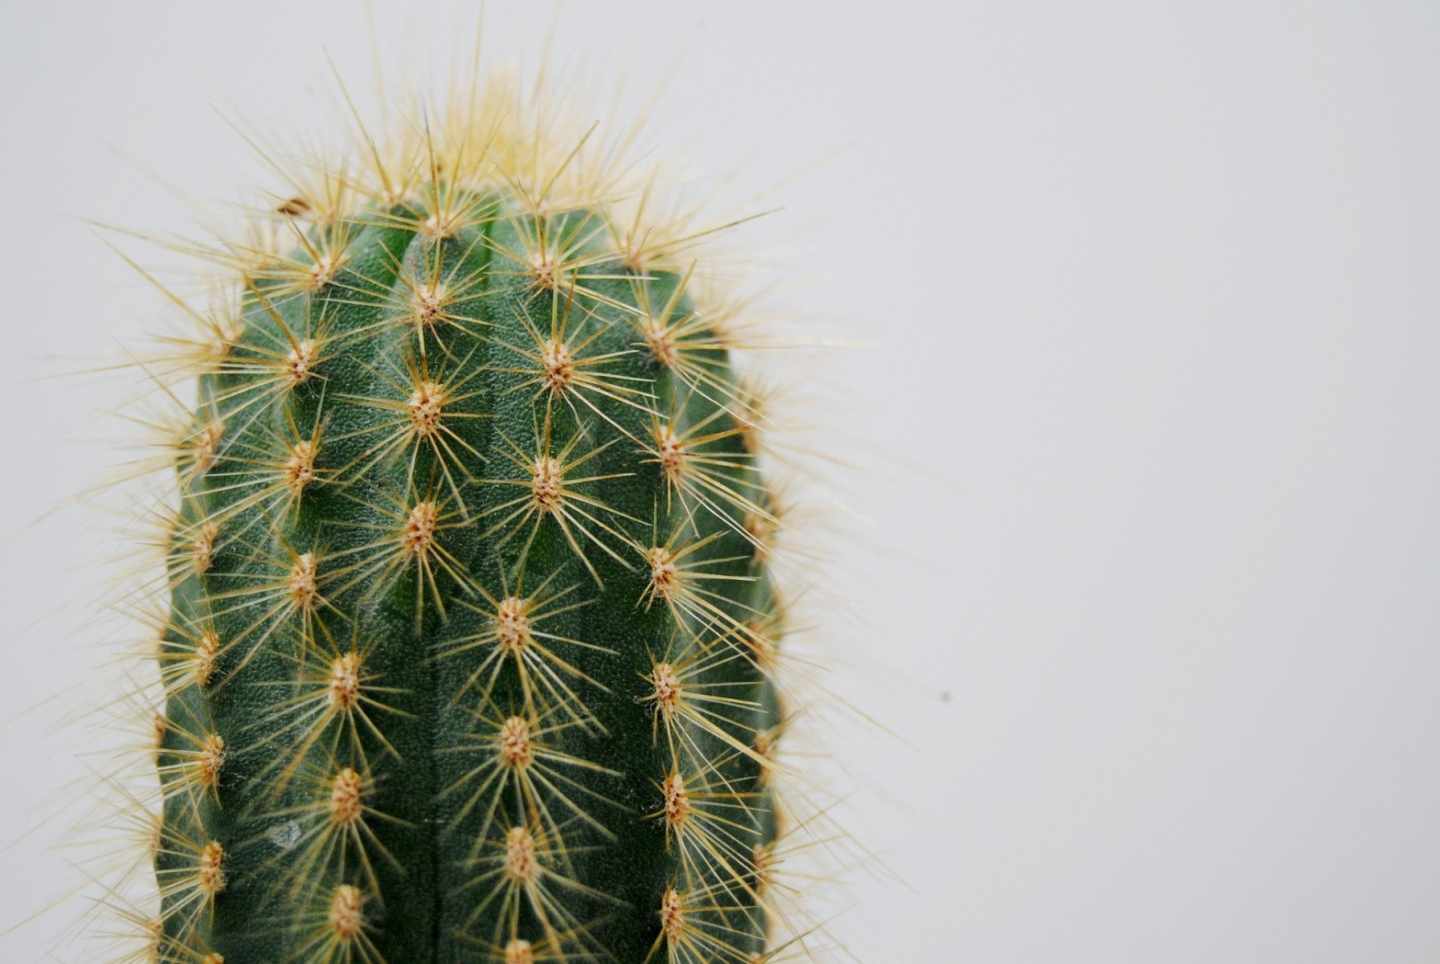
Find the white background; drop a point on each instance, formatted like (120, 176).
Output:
(1140, 424)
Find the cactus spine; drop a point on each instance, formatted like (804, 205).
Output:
(471, 638)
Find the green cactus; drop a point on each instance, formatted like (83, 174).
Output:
(471, 638)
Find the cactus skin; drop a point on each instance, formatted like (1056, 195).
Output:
(353, 765)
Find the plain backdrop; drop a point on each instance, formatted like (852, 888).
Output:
(1137, 409)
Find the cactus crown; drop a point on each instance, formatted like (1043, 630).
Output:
(471, 643)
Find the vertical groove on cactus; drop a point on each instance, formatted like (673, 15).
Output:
(472, 637)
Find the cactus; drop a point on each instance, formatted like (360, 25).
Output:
(471, 635)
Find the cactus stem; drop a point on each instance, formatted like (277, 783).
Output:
(416, 626)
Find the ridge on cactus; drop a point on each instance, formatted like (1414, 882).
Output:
(469, 634)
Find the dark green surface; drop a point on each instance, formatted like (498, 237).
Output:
(428, 902)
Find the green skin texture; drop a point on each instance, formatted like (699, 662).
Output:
(427, 910)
